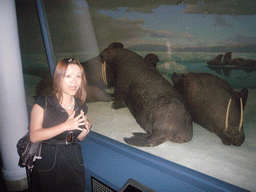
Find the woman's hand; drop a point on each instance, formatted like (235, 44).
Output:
(88, 124)
(73, 123)
(87, 127)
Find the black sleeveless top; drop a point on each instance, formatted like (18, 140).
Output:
(55, 114)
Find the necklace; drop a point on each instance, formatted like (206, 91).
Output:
(69, 106)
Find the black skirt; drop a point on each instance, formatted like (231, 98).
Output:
(60, 169)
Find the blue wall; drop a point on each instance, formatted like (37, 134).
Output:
(113, 163)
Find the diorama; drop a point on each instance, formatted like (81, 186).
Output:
(171, 87)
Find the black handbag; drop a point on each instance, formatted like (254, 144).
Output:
(29, 151)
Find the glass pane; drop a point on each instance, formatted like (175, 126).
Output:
(34, 61)
(71, 31)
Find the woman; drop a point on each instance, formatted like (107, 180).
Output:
(59, 121)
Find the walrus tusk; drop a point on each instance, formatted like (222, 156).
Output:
(242, 115)
(103, 72)
(227, 114)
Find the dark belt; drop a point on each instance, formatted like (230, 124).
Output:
(60, 142)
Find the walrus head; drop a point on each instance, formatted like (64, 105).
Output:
(151, 59)
(178, 82)
(233, 135)
(108, 73)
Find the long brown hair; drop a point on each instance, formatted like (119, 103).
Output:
(60, 72)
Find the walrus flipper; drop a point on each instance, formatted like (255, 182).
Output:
(144, 140)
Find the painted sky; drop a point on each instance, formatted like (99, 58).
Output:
(175, 23)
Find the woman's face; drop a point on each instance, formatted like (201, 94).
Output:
(71, 82)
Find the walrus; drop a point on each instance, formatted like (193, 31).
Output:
(214, 105)
(227, 58)
(155, 104)
(238, 62)
(241, 62)
(151, 59)
(216, 60)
